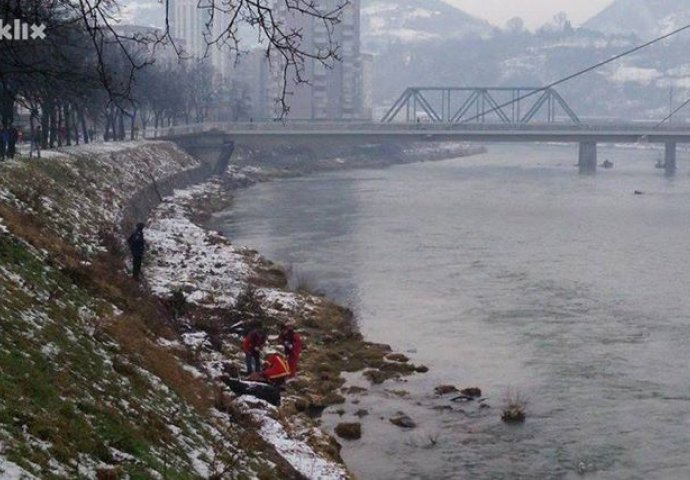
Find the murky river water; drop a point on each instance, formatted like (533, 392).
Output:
(510, 272)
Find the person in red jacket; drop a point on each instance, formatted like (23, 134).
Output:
(292, 344)
(251, 346)
(276, 370)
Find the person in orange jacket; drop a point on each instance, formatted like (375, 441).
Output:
(292, 344)
(275, 369)
(251, 346)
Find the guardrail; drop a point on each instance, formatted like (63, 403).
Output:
(304, 126)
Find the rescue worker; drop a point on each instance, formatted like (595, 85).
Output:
(275, 370)
(251, 346)
(292, 345)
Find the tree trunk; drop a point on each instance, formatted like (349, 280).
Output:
(45, 123)
(7, 98)
(109, 123)
(81, 120)
(121, 126)
(68, 124)
(133, 128)
(57, 123)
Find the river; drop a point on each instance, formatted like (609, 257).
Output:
(511, 272)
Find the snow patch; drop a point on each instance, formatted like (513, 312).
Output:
(12, 471)
(298, 453)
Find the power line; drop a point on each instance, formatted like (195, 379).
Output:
(683, 105)
(587, 70)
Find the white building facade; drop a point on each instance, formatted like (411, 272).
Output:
(332, 91)
(192, 22)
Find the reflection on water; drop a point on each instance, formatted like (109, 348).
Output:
(505, 271)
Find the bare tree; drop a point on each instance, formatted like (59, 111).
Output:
(86, 67)
(282, 39)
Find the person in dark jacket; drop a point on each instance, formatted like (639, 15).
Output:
(251, 346)
(12, 139)
(4, 141)
(36, 140)
(137, 245)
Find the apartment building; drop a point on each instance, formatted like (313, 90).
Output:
(197, 25)
(333, 90)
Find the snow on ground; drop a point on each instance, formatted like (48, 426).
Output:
(300, 455)
(12, 471)
(279, 299)
(83, 148)
(201, 264)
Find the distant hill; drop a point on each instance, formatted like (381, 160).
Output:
(644, 18)
(386, 22)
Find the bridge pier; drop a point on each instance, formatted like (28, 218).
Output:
(588, 157)
(670, 159)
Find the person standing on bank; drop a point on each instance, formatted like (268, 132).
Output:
(292, 345)
(137, 245)
(4, 141)
(251, 346)
(36, 139)
(12, 145)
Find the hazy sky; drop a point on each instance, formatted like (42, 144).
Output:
(534, 12)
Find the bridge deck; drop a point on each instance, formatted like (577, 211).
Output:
(477, 133)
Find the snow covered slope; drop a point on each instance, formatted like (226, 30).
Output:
(643, 18)
(390, 21)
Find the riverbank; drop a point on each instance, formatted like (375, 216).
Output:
(219, 286)
(100, 377)
(277, 161)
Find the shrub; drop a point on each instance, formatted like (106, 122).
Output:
(514, 409)
(177, 304)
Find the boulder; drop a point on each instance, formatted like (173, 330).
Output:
(403, 421)
(354, 390)
(397, 357)
(311, 405)
(472, 392)
(445, 389)
(349, 431)
(443, 408)
(378, 376)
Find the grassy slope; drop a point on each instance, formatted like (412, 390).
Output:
(83, 385)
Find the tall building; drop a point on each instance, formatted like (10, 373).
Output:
(191, 21)
(332, 91)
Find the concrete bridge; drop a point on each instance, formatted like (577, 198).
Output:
(212, 136)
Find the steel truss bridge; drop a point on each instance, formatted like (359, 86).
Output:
(508, 105)
(475, 114)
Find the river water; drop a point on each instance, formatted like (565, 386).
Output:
(510, 272)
